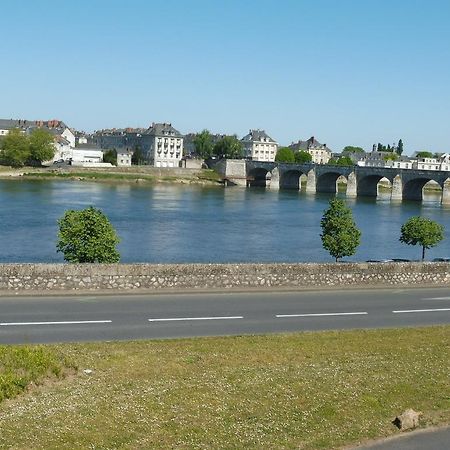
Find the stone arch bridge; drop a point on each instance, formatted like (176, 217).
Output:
(361, 181)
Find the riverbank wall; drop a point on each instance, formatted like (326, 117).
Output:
(136, 278)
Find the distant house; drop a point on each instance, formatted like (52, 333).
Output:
(440, 162)
(382, 159)
(320, 153)
(86, 153)
(259, 146)
(124, 158)
(161, 144)
(166, 145)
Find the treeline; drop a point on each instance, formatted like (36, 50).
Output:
(18, 149)
(208, 145)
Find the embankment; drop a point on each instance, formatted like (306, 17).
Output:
(57, 278)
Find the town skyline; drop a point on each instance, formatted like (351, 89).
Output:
(356, 73)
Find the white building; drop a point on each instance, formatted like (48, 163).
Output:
(165, 146)
(382, 159)
(440, 163)
(86, 155)
(320, 153)
(259, 146)
(124, 158)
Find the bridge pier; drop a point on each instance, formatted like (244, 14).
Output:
(397, 189)
(273, 179)
(352, 187)
(311, 182)
(445, 200)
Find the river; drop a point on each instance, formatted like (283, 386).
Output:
(168, 223)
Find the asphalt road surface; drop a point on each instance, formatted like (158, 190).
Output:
(432, 439)
(125, 317)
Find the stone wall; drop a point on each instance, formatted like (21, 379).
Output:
(23, 278)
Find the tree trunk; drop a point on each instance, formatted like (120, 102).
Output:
(423, 253)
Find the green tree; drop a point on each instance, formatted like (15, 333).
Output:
(137, 158)
(15, 149)
(341, 161)
(400, 147)
(351, 149)
(110, 156)
(203, 143)
(391, 157)
(87, 236)
(345, 161)
(42, 146)
(228, 147)
(302, 157)
(424, 154)
(340, 236)
(422, 231)
(285, 154)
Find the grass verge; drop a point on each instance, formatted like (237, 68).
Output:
(23, 366)
(305, 390)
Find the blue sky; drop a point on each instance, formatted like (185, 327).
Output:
(349, 72)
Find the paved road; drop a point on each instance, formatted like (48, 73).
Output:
(124, 317)
(433, 439)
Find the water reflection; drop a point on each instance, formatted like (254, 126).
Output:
(173, 223)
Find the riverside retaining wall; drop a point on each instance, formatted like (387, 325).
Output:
(23, 278)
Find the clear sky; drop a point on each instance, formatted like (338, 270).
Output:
(349, 72)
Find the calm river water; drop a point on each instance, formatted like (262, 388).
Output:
(179, 223)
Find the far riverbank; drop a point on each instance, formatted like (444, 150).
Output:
(134, 174)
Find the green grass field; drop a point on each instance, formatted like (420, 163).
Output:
(304, 390)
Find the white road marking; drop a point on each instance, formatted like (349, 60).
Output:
(437, 298)
(420, 310)
(358, 313)
(174, 319)
(67, 322)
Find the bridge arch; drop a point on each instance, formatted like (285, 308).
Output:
(368, 185)
(327, 182)
(290, 179)
(413, 189)
(257, 177)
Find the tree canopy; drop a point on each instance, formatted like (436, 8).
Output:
(204, 145)
(15, 149)
(422, 231)
(285, 154)
(87, 236)
(340, 236)
(387, 148)
(137, 158)
(391, 157)
(424, 154)
(110, 156)
(18, 148)
(302, 157)
(351, 149)
(41, 146)
(341, 161)
(228, 147)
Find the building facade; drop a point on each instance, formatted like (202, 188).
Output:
(320, 153)
(166, 145)
(161, 144)
(259, 146)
